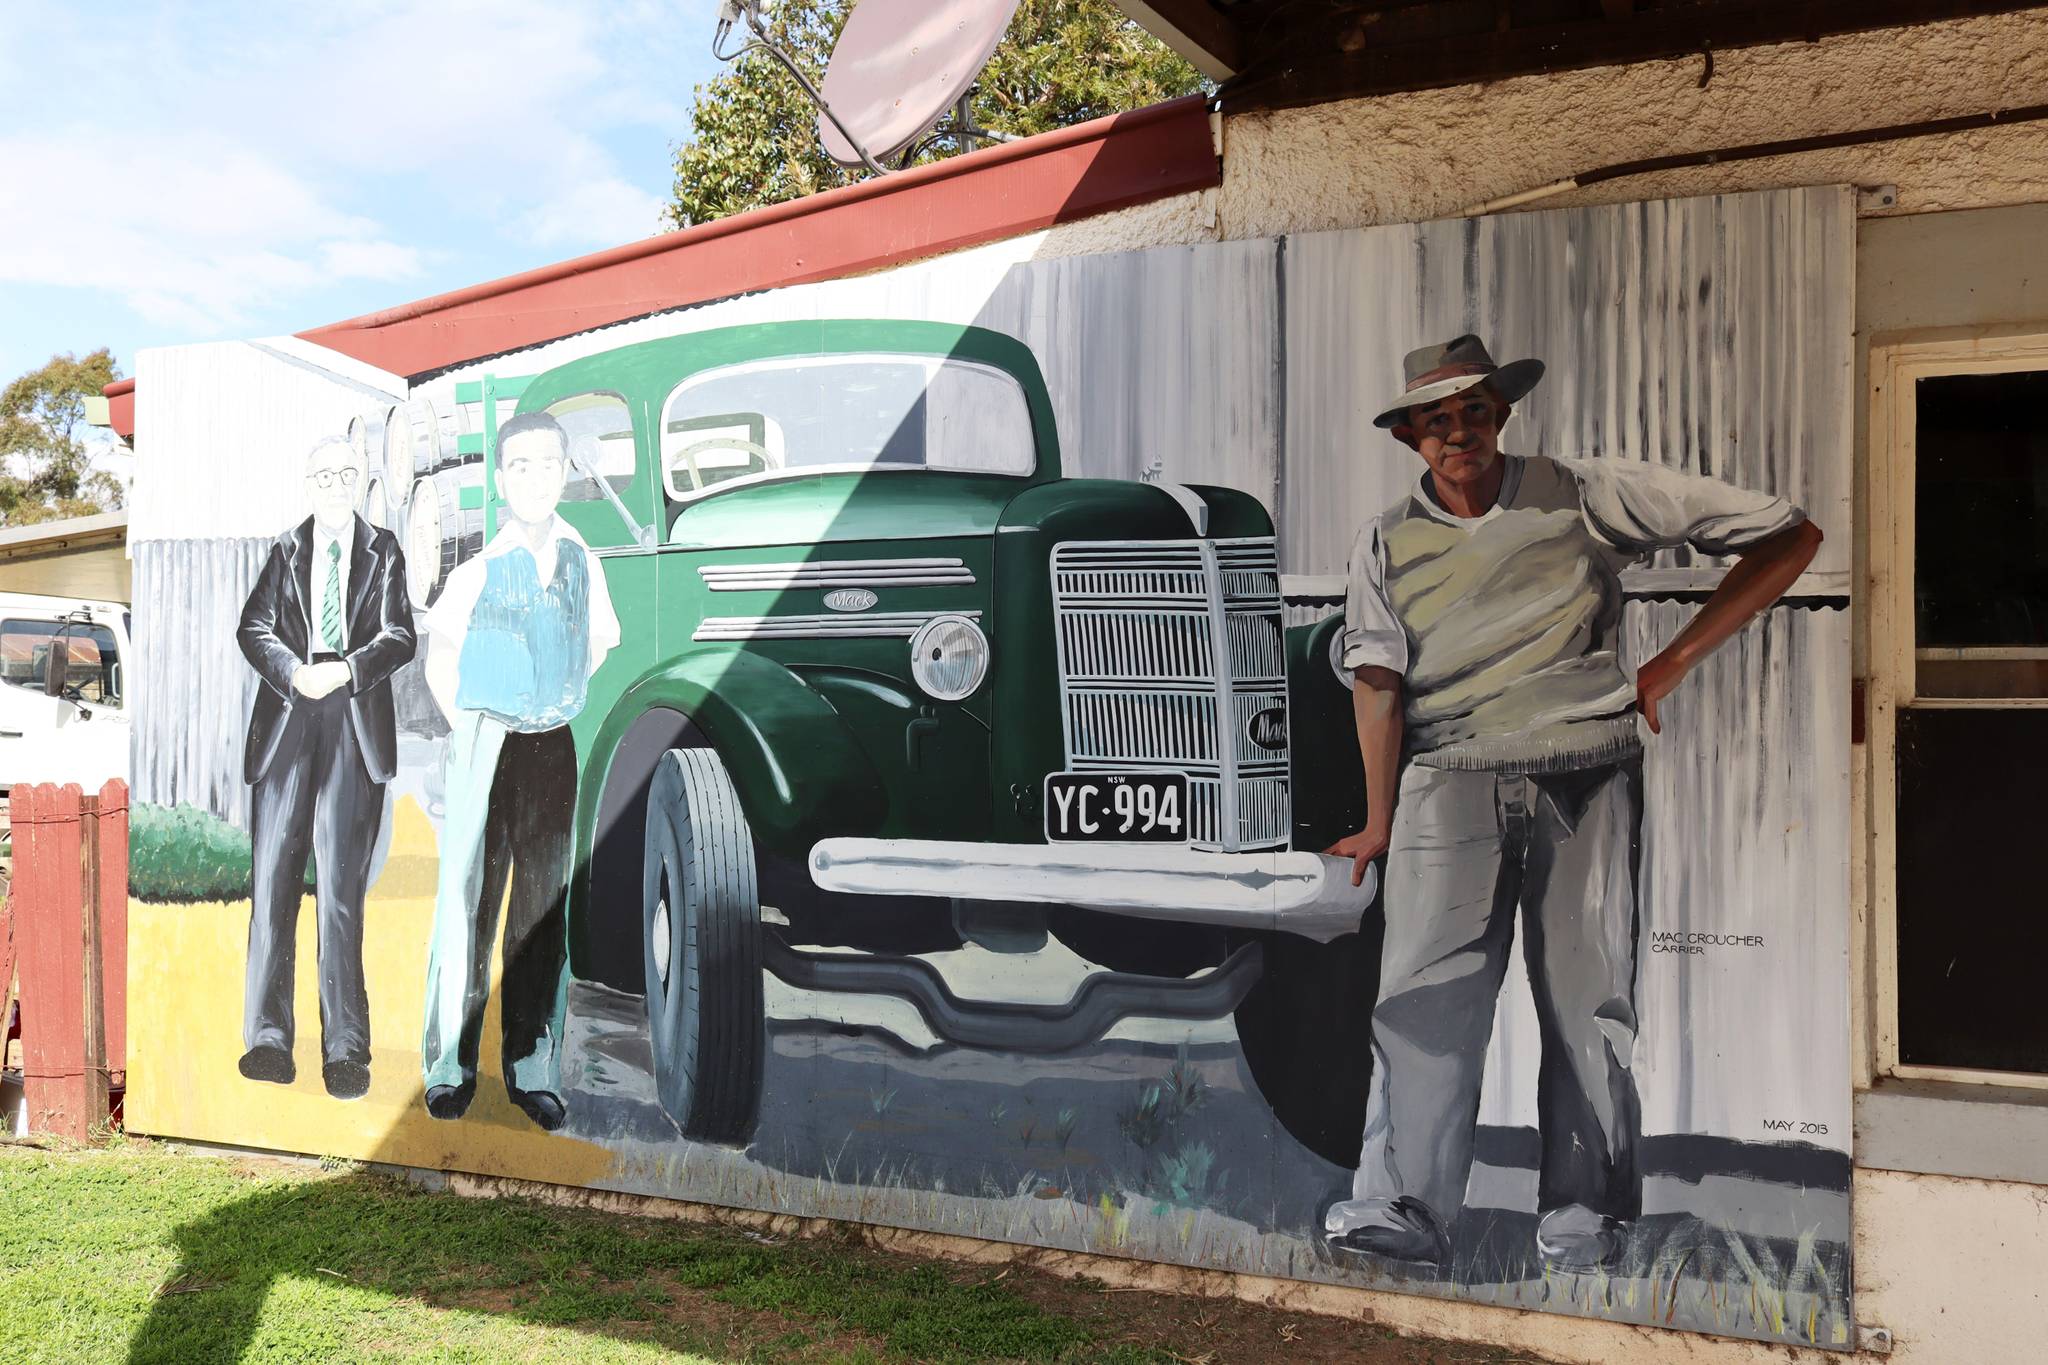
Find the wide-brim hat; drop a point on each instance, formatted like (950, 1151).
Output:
(1434, 373)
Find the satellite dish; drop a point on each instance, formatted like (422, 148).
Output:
(899, 66)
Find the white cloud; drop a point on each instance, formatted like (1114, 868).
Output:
(195, 233)
(607, 210)
(212, 165)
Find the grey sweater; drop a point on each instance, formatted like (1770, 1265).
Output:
(1505, 627)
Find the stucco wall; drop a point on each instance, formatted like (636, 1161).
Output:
(1403, 158)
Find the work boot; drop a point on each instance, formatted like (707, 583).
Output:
(266, 1063)
(1574, 1237)
(1401, 1229)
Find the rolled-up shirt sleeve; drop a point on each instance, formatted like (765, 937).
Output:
(1638, 507)
(1373, 637)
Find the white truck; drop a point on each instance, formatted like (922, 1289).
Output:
(65, 707)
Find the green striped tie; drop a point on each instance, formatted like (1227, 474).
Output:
(330, 603)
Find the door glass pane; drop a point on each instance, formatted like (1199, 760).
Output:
(1981, 535)
(1973, 929)
(600, 431)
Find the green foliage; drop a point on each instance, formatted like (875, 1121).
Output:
(182, 854)
(755, 141)
(1163, 1103)
(43, 454)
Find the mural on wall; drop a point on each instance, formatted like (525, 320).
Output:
(915, 780)
(325, 627)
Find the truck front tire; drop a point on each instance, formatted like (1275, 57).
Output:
(702, 921)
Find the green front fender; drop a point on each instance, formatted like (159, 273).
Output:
(796, 765)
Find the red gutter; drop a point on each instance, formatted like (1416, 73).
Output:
(983, 196)
(120, 396)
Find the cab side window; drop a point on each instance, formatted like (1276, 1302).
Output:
(600, 428)
(92, 662)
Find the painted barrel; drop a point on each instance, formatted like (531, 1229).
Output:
(439, 531)
(422, 436)
(376, 501)
(383, 499)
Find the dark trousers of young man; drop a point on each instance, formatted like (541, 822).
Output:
(525, 841)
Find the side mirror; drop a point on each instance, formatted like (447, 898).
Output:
(57, 663)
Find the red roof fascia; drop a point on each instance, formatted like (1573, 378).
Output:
(120, 396)
(982, 196)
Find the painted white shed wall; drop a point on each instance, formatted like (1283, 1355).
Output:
(240, 407)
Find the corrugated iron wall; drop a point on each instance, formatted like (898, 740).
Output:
(1710, 335)
(193, 687)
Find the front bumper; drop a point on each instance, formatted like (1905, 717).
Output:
(1299, 893)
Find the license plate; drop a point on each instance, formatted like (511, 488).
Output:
(1116, 808)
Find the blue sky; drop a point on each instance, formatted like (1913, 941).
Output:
(183, 172)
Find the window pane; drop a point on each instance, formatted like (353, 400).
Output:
(23, 647)
(92, 670)
(976, 420)
(1973, 928)
(600, 429)
(843, 411)
(1981, 535)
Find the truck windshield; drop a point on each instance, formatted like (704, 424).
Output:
(823, 412)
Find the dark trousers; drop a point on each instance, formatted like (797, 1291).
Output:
(316, 797)
(527, 842)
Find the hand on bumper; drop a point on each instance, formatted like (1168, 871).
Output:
(1361, 848)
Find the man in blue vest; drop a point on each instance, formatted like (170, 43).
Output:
(512, 642)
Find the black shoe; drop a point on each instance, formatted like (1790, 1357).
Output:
(544, 1107)
(1576, 1238)
(266, 1063)
(1405, 1230)
(346, 1080)
(450, 1101)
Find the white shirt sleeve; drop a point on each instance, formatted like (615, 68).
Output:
(448, 618)
(604, 622)
(1373, 637)
(1638, 507)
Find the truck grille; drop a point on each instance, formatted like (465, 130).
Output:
(1171, 656)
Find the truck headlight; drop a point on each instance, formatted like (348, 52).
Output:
(949, 657)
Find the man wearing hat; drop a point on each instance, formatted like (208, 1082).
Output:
(1503, 771)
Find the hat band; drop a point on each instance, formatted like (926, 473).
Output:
(1443, 372)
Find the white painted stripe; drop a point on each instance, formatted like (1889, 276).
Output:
(836, 625)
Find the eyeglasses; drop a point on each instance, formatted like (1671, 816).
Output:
(324, 478)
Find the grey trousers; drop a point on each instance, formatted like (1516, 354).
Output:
(1468, 850)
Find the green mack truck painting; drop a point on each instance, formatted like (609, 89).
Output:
(888, 683)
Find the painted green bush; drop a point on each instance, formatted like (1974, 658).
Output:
(184, 854)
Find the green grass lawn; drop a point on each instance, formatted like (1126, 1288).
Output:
(136, 1253)
(133, 1251)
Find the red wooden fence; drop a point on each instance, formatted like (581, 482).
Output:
(70, 919)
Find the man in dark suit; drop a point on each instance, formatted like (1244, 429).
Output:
(325, 628)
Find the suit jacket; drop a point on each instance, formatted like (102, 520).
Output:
(277, 635)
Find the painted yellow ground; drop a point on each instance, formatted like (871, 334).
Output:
(185, 1036)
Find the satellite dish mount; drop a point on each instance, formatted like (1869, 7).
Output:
(897, 69)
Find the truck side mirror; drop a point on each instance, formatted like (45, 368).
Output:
(57, 663)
